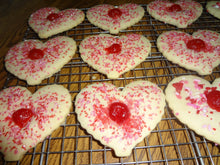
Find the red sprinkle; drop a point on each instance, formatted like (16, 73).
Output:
(213, 99)
(114, 13)
(178, 86)
(114, 48)
(22, 116)
(35, 54)
(174, 8)
(119, 112)
(196, 44)
(53, 16)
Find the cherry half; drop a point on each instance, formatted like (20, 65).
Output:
(196, 44)
(114, 48)
(119, 112)
(22, 116)
(213, 99)
(174, 8)
(35, 54)
(53, 16)
(114, 13)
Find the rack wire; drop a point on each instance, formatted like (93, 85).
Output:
(171, 142)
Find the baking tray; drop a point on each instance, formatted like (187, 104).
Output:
(171, 142)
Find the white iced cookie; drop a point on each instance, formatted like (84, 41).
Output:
(27, 119)
(114, 19)
(33, 60)
(120, 119)
(196, 103)
(50, 20)
(213, 7)
(112, 55)
(198, 52)
(181, 13)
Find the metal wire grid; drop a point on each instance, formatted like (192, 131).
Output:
(169, 143)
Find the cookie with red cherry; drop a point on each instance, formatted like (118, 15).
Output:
(32, 60)
(113, 55)
(198, 52)
(50, 20)
(117, 118)
(27, 119)
(213, 7)
(181, 13)
(114, 19)
(196, 103)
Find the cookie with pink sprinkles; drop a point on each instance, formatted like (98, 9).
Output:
(180, 13)
(114, 19)
(50, 20)
(117, 118)
(213, 7)
(196, 103)
(113, 55)
(26, 119)
(33, 60)
(199, 52)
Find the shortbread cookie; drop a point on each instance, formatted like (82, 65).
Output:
(198, 52)
(114, 19)
(33, 61)
(112, 55)
(196, 103)
(50, 21)
(26, 119)
(120, 119)
(181, 13)
(213, 7)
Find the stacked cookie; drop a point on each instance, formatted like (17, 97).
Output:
(118, 119)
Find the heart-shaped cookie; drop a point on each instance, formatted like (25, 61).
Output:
(26, 119)
(113, 18)
(199, 52)
(50, 21)
(112, 55)
(33, 61)
(213, 7)
(181, 13)
(120, 119)
(196, 102)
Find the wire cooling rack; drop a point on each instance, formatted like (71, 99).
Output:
(169, 143)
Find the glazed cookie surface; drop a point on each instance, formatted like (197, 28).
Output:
(120, 119)
(33, 61)
(114, 19)
(213, 7)
(181, 13)
(50, 21)
(27, 119)
(112, 55)
(196, 103)
(198, 52)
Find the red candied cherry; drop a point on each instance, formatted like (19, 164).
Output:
(196, 44)
(217, 5)
(35, 54)
(22, 116)
(114, 13)
(114, 48)
(174, 8)
(53, 16)
(213, 99)
(119, 112)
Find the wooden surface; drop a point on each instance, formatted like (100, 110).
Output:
(170, 142)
